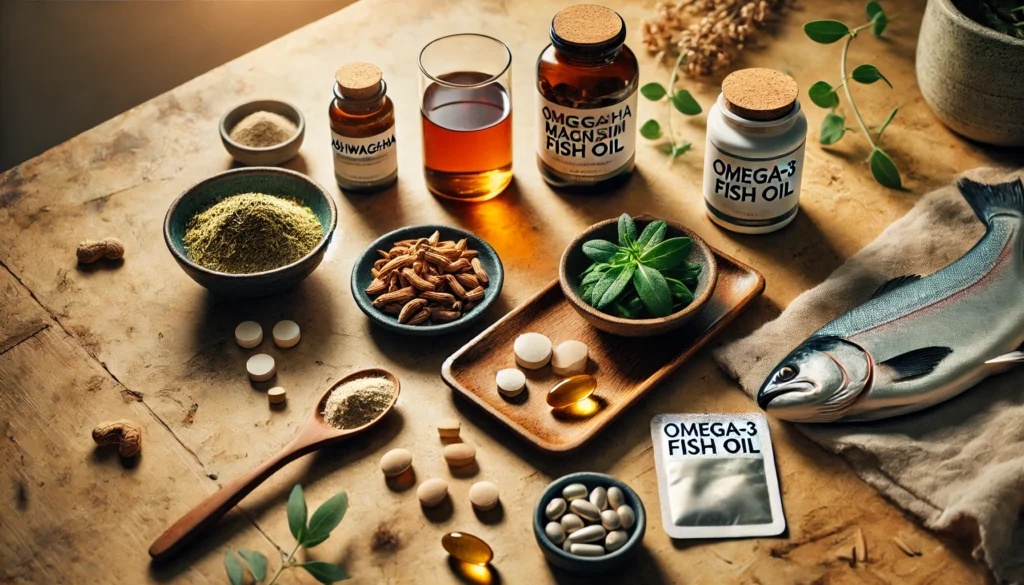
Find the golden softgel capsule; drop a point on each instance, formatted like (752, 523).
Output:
(467, 548)
(572, 390)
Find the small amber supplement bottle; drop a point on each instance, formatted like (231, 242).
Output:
(363, 129)
(587, 81)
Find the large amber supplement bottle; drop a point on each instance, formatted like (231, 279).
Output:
(363, 129)
(587, 82)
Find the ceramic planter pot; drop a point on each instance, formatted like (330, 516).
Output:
(970, 75)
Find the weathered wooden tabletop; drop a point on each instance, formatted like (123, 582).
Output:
(141, 340)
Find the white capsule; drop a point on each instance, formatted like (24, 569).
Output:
(555, 532)
(615, 540)
(574, 491)
(586, 550)
(566, 545)
(591, 533)
(571, 523)
(260, 367)
(599, 497)
(532, 350)
(616, 498)
(610, 519)
(286, 333)
(248, 334)
(569, 358)
(510, 382)
(626, 516)
(555, 509)
(585, 510)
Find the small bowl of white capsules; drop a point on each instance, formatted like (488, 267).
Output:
(589, 523)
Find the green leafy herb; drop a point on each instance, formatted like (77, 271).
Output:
(1005, 16)
(824, 95)
(641, 276)
(324, 520)
(681, 100)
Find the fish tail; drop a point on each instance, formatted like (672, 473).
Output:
(988, 201)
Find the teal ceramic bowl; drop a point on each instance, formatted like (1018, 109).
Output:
(589, 565)
(269, 180)
(361, 278)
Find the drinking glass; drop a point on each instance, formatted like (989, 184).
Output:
(466, 108)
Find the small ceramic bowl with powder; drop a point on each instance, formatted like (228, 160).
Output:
(263, 132)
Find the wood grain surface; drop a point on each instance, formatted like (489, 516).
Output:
(626, 369)
(143, 330)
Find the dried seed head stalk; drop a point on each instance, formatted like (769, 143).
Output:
(709, 33)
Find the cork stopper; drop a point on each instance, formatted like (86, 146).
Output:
(586, 24)
(759, 94)
(359, 81)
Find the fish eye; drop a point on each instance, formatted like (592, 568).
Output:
(786, 373)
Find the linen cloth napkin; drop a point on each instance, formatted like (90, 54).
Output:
(958, 466)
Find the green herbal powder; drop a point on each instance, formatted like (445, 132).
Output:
(250, 233)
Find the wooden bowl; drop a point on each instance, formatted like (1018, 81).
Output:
(361, 278)
(268, 155)
(269, 180)
(575, 262)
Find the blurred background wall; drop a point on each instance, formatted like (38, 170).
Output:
(66, 66)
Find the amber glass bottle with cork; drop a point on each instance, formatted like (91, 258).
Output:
(754, 157)
(587, 81)
(363, 129)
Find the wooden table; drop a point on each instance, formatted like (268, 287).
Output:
(142, 341)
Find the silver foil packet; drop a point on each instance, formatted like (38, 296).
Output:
(716, 475)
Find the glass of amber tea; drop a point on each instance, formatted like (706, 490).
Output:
(466, 107)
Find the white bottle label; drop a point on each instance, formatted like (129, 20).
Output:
(586, 142)
(752, 192)
(365, 160)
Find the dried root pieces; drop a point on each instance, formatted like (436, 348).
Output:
(709, 33)
(427, 280)
(90, 251)
(124, 433)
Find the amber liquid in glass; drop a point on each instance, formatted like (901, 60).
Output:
(467, 137)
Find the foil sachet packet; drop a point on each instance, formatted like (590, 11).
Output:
(716, 475)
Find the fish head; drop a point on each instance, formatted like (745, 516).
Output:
(817, 381)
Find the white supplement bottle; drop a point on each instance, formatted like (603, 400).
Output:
(754, 156)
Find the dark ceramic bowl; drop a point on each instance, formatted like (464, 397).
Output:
(269, 155)
(269, 180)
(589, 565)
(361, 278)
(574, 262)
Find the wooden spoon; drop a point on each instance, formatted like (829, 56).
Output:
(315, 434)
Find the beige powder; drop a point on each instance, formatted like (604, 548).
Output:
(358, 402)
(263, 129)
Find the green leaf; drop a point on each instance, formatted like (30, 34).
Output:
(823, 95)
(591, 278)
(595, 267)
(884, 170)
(832, 128)
(877, 17)
(628, 308)
(685, 103)
(236, 572)
(651, 130)
(297, 513)
(602, 286)
(600, 250)
(627, 231)
(615, 290)
(886, 123)
(257, 563)
(668, 254)
(869, 74)
(325, 573)
(826, 32)
(652, 235)
(653, 291)
(674, 150)
(680, 292)
(325, 519)
(688, 271)
(653, 91)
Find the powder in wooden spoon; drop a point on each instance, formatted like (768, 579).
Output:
(263, 129)
(358, 402)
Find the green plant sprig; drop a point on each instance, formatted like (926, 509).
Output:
(834, 127)
(307, 535)
(644, 274)
(681, 100)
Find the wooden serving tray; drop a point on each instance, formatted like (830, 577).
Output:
(626, 367)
